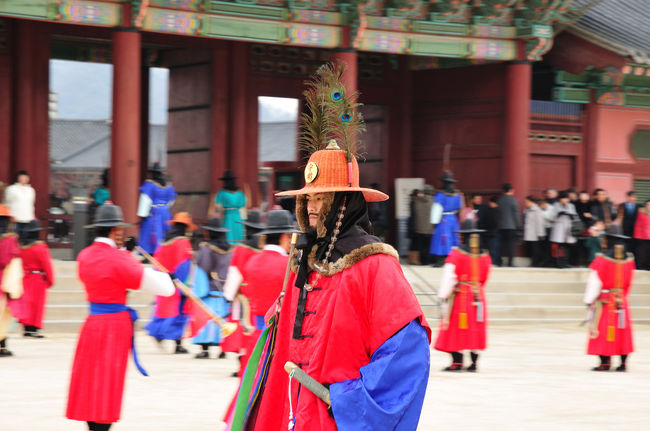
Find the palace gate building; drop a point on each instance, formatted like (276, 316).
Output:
(538, 93)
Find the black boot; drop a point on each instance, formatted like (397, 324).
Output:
(35, 333)
(474, 356)
(3, 348)
(457, 362)
(604, 364)
(622, 367)
(204, 352)
(179, 348)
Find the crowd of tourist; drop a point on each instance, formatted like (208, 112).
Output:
(561, 228)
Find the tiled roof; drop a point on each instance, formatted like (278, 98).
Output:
(86, 144)
(622, 26)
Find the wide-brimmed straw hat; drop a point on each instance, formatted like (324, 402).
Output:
(184, 218)
(279, 221)
(215, 225)
(328, 171)
(108, 215)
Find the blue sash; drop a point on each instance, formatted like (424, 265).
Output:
(104, 308)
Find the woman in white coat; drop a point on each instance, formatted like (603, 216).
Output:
(565, 213)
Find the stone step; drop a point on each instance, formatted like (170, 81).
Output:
(76, 296)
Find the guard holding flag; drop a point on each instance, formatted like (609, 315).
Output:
(462, 286)
(106, 337)
(608, 287)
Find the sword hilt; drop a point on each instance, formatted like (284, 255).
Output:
(308, 382)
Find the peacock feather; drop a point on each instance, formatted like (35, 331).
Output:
(332, 113)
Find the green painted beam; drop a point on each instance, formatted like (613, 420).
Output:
(569, 79)
(245, 29)
(251, 10)
(571, 95)
(22, 8)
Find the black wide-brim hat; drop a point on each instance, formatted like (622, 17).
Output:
(279, 221)
(214, 225)
(34, 226)
(156, 168)
(108, 215)
(615, 231)
(254, 220)
(447, 177)
(228, 176)
(468, 226)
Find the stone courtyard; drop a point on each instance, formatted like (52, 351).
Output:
(532, 377)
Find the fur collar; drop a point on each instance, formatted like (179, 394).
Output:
(171, 240)
(26, 246)
(303, 217)
(347, 261)
(215, 248)
(8, 235)
(629, 257)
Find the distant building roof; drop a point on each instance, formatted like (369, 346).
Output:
(86, 144)
(622, 26)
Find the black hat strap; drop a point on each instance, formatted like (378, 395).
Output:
(303, 271)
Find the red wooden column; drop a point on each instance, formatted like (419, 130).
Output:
(238, 119)
(516, 152)
(351, 75)
(125, 131)
(6, 101)
(592, 117)
(220, 115)
(40, 146)
(24, 97)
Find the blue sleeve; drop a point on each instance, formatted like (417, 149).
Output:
(171, 193)
(390, 392)
(145, 188)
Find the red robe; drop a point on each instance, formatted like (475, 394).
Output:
(38, 277)
(239, 340)
(612, 339)
(462, 330)
(99, 368)
(9, 249)
(350, 315)
(171, 254)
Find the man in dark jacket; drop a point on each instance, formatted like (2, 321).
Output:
(601, 208)
(490, 223)
(626, 218)
(509, 221)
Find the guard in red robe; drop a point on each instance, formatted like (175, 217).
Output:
(264, 272)
(462, 287)
(171, 314)
(106, 337)
(239, 340)
(608, 287)
(10, 279)
(349, 317)
(38, 277)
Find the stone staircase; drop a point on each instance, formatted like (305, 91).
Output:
(67, 307)
(531, 295)
(515, 295)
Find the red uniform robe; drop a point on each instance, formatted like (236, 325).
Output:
(99, 368)
(171, 254)
(9, 306)
(38, 277)
(614, 336)
(239, 340)
(465, 328)
(352, 310)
